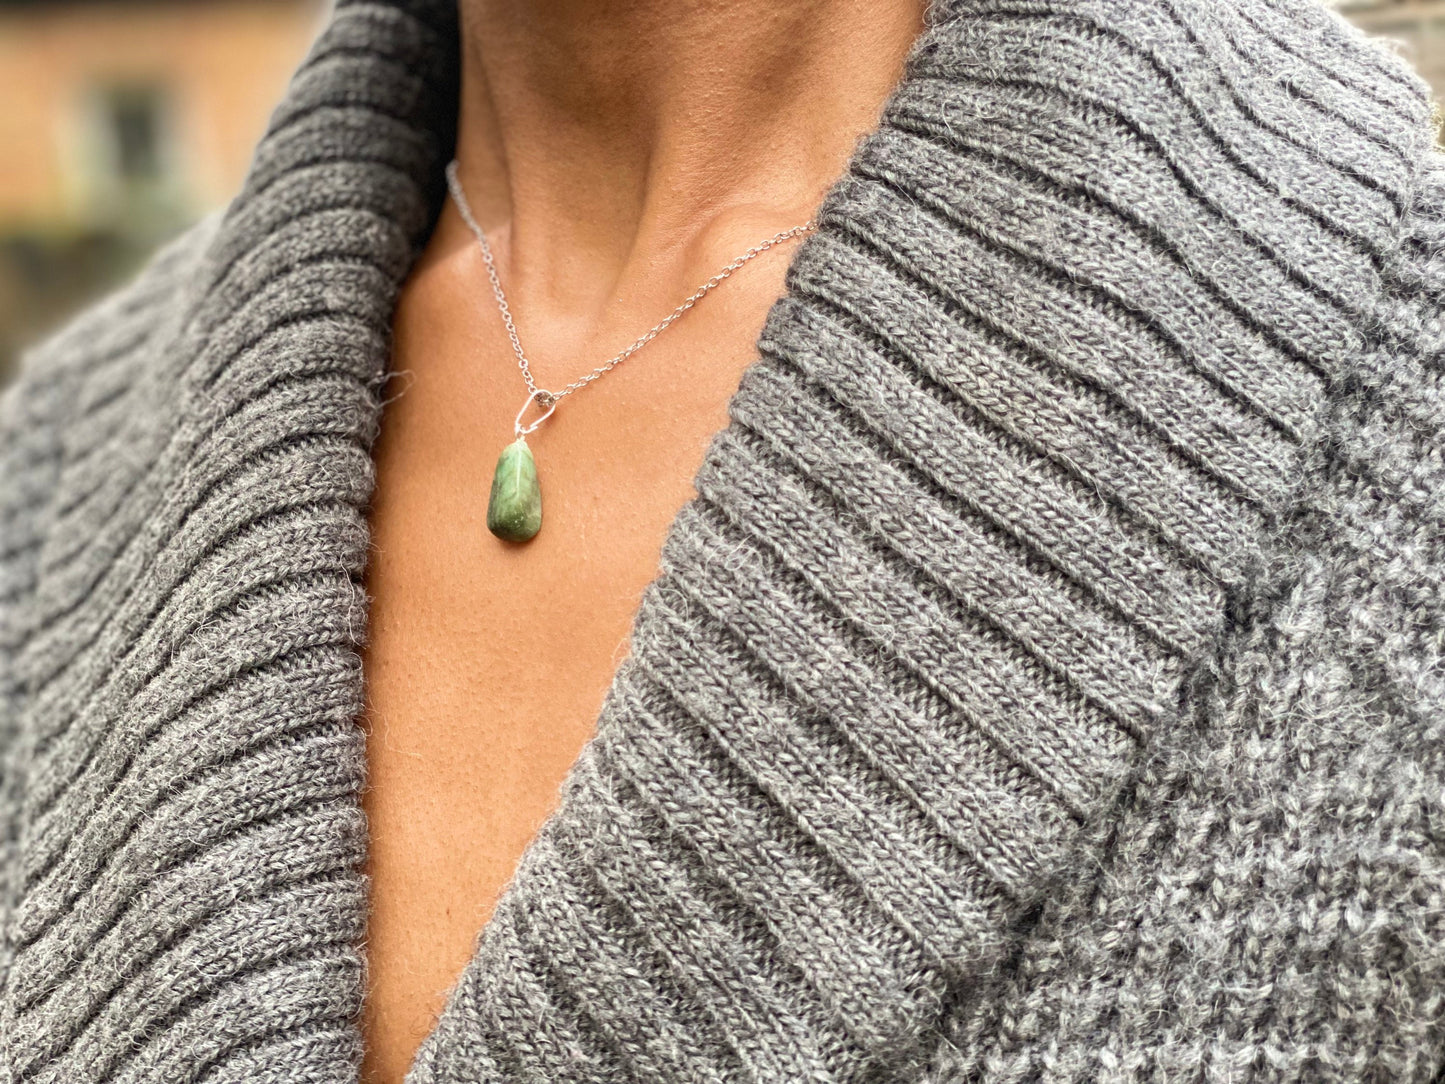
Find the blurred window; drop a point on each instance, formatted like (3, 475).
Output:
(134, 117)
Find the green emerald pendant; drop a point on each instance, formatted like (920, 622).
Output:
(514, 510)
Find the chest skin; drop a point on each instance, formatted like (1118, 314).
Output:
(487, 661)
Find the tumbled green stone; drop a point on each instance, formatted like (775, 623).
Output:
(514, 510)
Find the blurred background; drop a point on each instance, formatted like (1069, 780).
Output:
(122, 121)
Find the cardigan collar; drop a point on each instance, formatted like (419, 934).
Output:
(1024, 428)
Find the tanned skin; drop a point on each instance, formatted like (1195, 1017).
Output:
(618, 153)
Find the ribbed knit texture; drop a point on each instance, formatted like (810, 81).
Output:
(1045, 685)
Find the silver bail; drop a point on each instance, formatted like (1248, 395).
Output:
(540, 394)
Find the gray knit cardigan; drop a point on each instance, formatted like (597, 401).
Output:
(1046, 684)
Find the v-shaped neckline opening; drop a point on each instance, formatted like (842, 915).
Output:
(618, 669)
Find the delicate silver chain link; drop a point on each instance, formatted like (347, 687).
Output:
(545, 397)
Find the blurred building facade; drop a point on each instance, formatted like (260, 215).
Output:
(1418, 25)
(122, 122)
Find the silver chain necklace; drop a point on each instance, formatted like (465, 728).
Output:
(514, 509)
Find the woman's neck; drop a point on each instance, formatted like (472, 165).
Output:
(600, 140)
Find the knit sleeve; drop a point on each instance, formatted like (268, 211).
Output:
(1048, 388)
(62, 385)
(1263, 907)
(30, 411)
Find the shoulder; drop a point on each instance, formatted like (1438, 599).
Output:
(1278, 92)
(116, 326)
(111, 332)
(1263, 158)
(62, 403)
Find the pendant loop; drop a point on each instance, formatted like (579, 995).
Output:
(542, 395)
